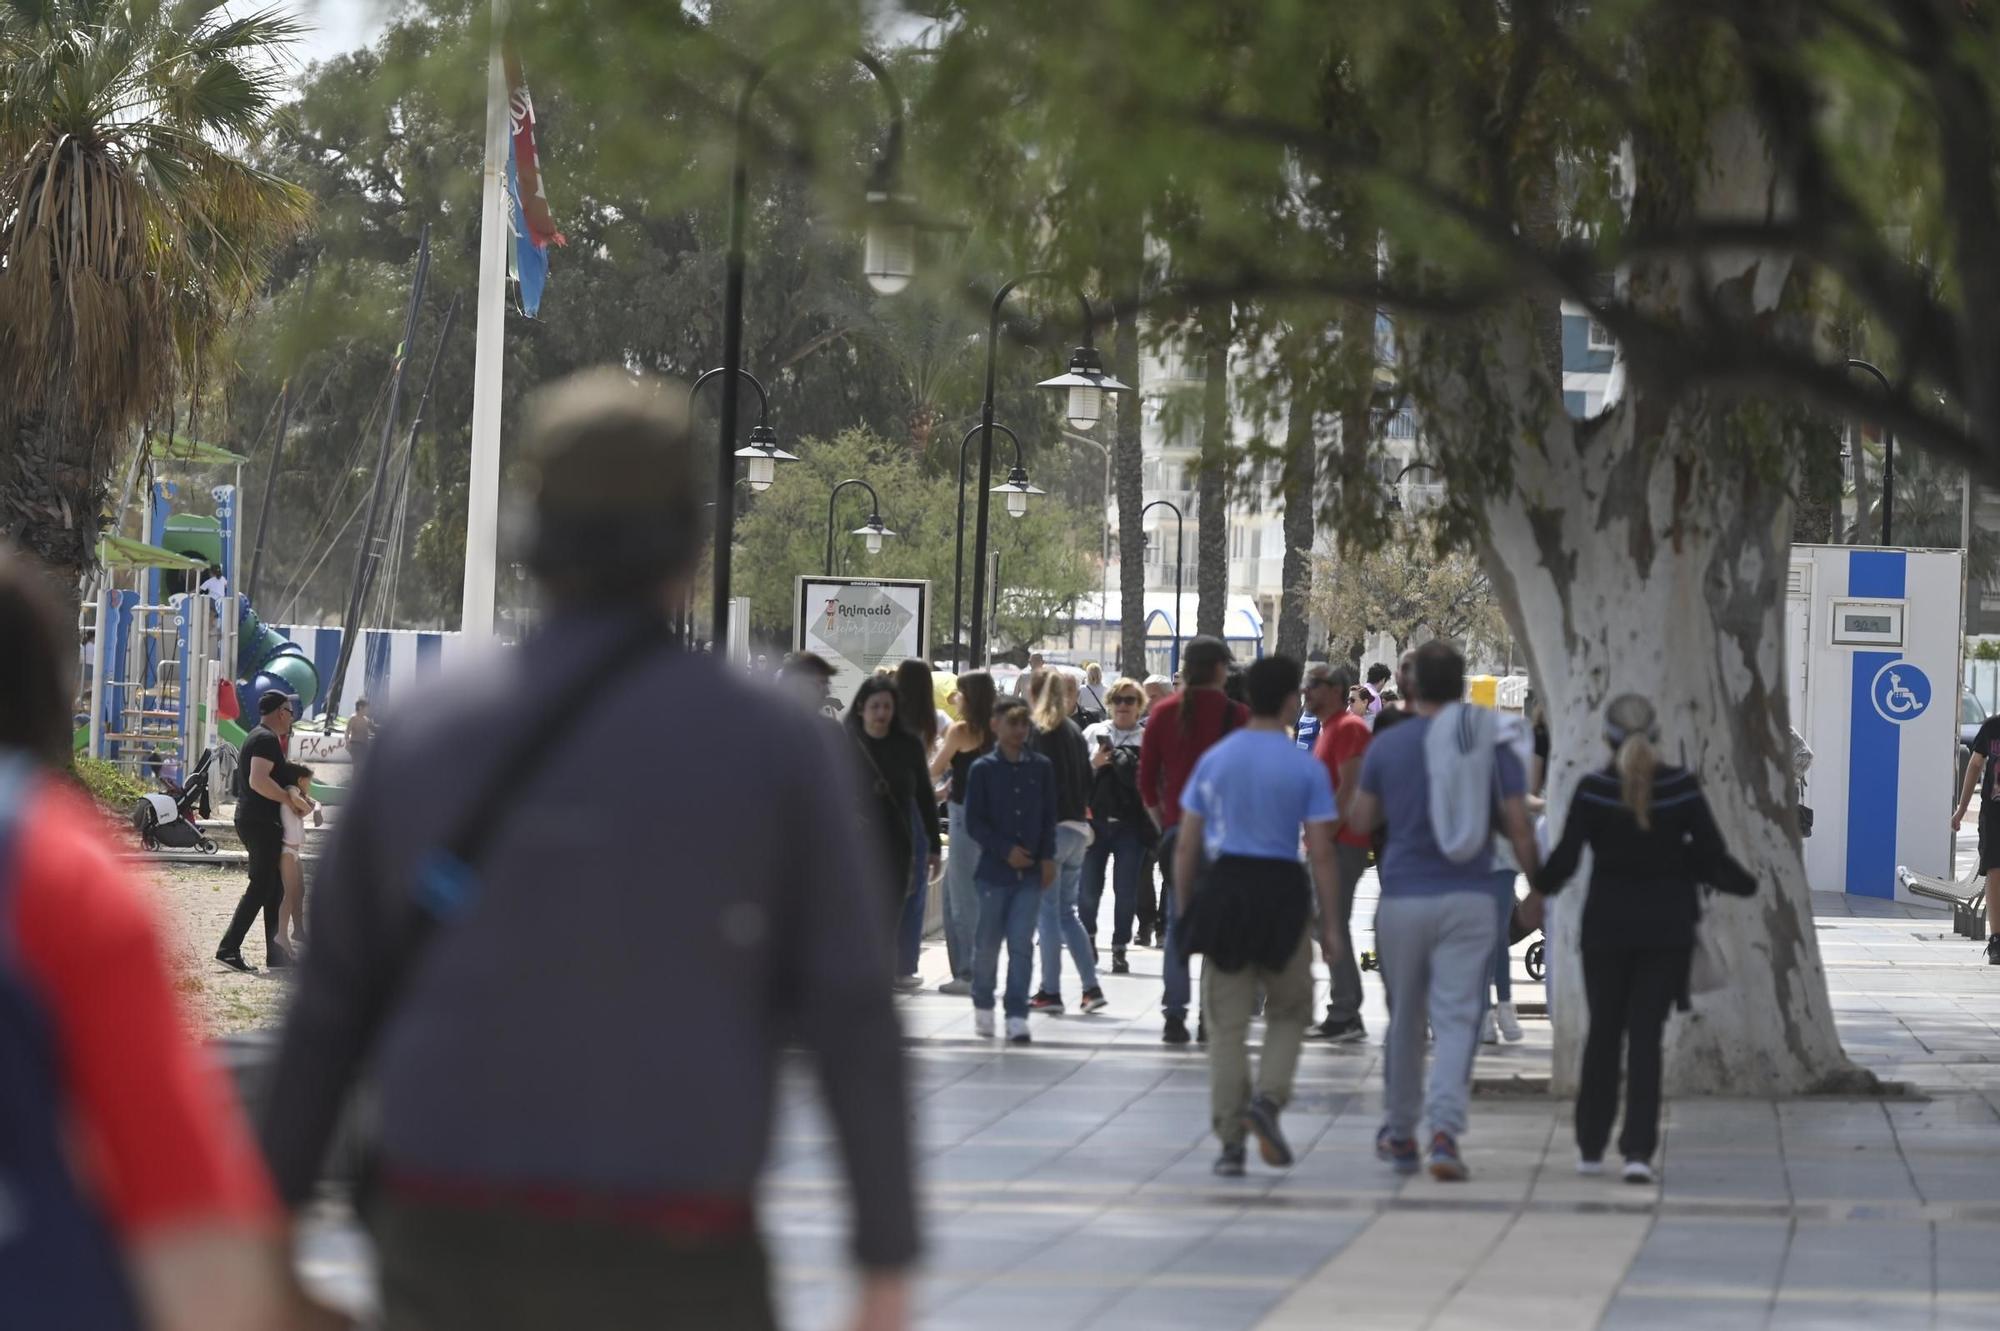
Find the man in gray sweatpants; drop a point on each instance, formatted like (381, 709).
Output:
(1435, 928)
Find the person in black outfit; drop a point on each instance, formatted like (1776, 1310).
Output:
(895, 771)
(258, 796)
(1654, 842)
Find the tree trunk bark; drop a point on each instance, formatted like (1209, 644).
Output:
(1212, 535)
(1301, 500)
(1128, 478)
(52, 500)
(1645, 552)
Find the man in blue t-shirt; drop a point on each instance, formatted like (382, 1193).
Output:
(1248, 912)
(1436, 925)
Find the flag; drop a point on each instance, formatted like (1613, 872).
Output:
(528, 216)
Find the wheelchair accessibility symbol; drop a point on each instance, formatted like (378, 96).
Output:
(1901, 692)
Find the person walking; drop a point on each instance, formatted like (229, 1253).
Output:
(899, 781)
(1091, 706)
(258, 799)
(1653, 841)
(1123, 833)
(550, 1153)
(360, 734)
(1010, 811)
(1981, 770)
(1343, 740)
(131, 1192)
(1435, 927)
(1249, 912)
(1058, 926)
(1179, 730)
(965, 741)
(918, 716)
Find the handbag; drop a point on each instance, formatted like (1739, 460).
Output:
(1707, 970)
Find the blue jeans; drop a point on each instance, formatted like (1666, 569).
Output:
(910, 925)
(961, 895)
(1176, 989)
(1007, 914)
(1503, 975)
(1059, 924)
(1122, 848)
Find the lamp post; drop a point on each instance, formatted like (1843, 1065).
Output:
(1104, 558)
(1085, 383)
(886, 259)
(1179, 522)
(1017, 489)
(762, 452)
(871, 532)
(1888, 454)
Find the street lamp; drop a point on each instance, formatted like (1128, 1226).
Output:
(762, 454)
(871, 532)
(1017, 492)
(1888, 454)
(1179, 522)
(1085, 384)
(886, 261)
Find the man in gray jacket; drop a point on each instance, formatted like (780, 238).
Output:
(575, 1035)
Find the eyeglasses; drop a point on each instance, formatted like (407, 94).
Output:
(1126, 700)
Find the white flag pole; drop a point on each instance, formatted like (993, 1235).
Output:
(482, 515)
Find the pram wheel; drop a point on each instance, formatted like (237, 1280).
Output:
(1536, 963)
(1370, 962)
(207, 846)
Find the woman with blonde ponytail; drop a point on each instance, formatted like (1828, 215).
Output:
(1654, 842)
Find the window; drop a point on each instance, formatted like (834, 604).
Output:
(1600, 337)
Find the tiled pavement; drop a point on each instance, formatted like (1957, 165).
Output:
(1067, 1185)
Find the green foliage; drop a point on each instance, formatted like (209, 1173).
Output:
(108, 784)
(1047, 557)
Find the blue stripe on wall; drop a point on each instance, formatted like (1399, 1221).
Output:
(375, 673)
(325, 656)
(1876, 573)
(430, 654)
(1875, 745)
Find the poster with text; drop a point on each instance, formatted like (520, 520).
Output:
(858, 624)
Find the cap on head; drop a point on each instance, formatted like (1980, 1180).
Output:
(617, 507)
(272, 700)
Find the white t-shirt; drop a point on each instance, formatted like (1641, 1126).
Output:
(215, 588)
(1120, 739)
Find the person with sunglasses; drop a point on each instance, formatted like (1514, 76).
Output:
(258, 799)
(1124, 834)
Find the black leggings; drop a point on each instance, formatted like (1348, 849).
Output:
(1631, 990)
(266, 892)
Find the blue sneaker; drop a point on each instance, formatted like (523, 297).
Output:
(1447, 1166)
(1399, 1152)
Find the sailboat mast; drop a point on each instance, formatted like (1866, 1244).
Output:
(365, 558)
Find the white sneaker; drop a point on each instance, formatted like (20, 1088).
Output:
(982, 1022)
(1017, 1029)
(1489, 1032)
(1589, 1168)
(1638, 1171)
(1510, 1023)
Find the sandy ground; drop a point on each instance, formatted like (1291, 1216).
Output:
(195, 902)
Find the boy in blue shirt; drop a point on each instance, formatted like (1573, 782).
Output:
(1010, 810)
(1242, 810)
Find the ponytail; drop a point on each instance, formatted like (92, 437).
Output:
(1630, 726)
(1636, 764)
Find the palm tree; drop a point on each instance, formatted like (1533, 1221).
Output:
(130, 233)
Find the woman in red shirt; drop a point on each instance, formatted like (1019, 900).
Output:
(148, 1205)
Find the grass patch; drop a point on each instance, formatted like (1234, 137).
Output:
(108, 784)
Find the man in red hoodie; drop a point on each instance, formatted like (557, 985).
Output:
(1178, 731)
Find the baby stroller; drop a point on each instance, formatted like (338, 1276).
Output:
(167, 821)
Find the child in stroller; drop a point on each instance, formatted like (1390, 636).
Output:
(167, 820)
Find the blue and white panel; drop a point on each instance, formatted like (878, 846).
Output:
(1881, 714)
(385, 662)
